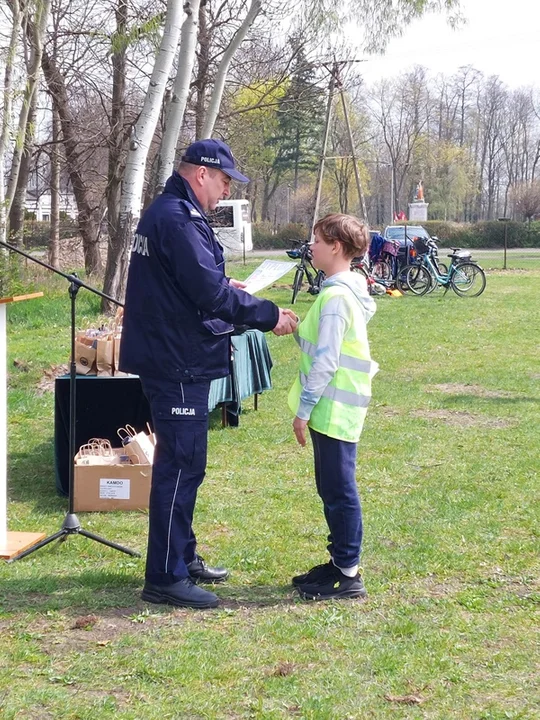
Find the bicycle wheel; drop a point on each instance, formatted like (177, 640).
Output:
(415, 278)
(360, 269)
(382, 271)
(468, 280)
(297, 284)
(442, 268)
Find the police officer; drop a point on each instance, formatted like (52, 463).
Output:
(179, 312)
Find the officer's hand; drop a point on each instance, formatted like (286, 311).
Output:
(237, 284)
(291, 314)
(299, 427)
(286, 324)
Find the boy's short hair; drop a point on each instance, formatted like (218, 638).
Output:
(351, 232)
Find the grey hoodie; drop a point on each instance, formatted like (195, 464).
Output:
(335, 320)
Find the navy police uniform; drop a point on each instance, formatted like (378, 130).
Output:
(179, 313)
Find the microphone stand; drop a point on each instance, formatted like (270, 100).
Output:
(71, 524)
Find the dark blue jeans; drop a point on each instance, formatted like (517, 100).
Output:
(180, 418)
(335, 477)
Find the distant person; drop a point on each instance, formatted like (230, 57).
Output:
(179, 314)
(330, 397)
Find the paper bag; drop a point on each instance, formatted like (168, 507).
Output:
(116, 341)
(138, 445)
(97, 451)
(105, 355)
(85, 355)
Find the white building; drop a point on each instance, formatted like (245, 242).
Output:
(40, 205)
(232, 224)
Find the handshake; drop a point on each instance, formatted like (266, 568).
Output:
(286, 323)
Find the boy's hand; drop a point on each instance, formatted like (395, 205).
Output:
(286, 324)
(299, 427)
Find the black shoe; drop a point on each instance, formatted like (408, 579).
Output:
(312, 575)
(200, 572)
(333, 584)
(183, 593)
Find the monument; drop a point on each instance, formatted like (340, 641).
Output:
(418, 207)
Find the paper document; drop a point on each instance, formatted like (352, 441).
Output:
(267, 273)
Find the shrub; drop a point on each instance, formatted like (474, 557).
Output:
(487, 234)
(36, 234)
(265, 237)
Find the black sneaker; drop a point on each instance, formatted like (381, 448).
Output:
(200, 572)
(312, 575)
(183, 593)
(333, 584)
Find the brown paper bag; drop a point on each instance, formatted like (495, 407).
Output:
(85, 355)
(117, 371)
(105, 355)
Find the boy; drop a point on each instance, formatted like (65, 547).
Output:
(330, 397)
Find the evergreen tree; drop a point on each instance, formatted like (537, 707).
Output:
(300, 124)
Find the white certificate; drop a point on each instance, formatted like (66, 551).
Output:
(267, 273)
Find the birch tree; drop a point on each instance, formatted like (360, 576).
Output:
(37, 32)
(180, 93)
(223, 68)
(7, 107)
(142, 133)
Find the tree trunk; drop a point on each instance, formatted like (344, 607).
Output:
(54, 236)
(223, 69)
(7, 107)
(177, 106)
(16, 212)
(116, 134)
(36, 36)
(265, 211)
(133, 180)
(203, 64)
(88, 219)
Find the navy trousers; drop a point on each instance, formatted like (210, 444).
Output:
(180, 418)
(335, 477)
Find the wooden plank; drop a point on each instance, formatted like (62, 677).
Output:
(17, 542)
(18, 298)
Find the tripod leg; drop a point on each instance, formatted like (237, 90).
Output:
(101, 540)
(58, 535)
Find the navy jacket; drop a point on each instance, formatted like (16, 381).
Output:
(179, 309)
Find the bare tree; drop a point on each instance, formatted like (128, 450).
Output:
(180, 92)
(526, 199)
(37, 28)
(54, 235)
(7, 107)
(223, 68)
(142, 133)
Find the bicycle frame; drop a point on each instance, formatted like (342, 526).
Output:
(442, 278)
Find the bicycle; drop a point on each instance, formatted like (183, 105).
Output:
(376, 285)
(383, 260)
(464, 276)
(305, 267)
(422, 246)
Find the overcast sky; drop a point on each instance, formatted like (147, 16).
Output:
(500, 37)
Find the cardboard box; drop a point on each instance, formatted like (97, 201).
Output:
(111, 487)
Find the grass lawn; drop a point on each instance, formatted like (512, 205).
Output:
(448, 472)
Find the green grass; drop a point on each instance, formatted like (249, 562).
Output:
(448, 472)
(493, 259)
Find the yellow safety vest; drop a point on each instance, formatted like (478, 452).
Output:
(341, 410)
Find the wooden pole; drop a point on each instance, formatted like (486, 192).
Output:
(323, 152)
(361, 199)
